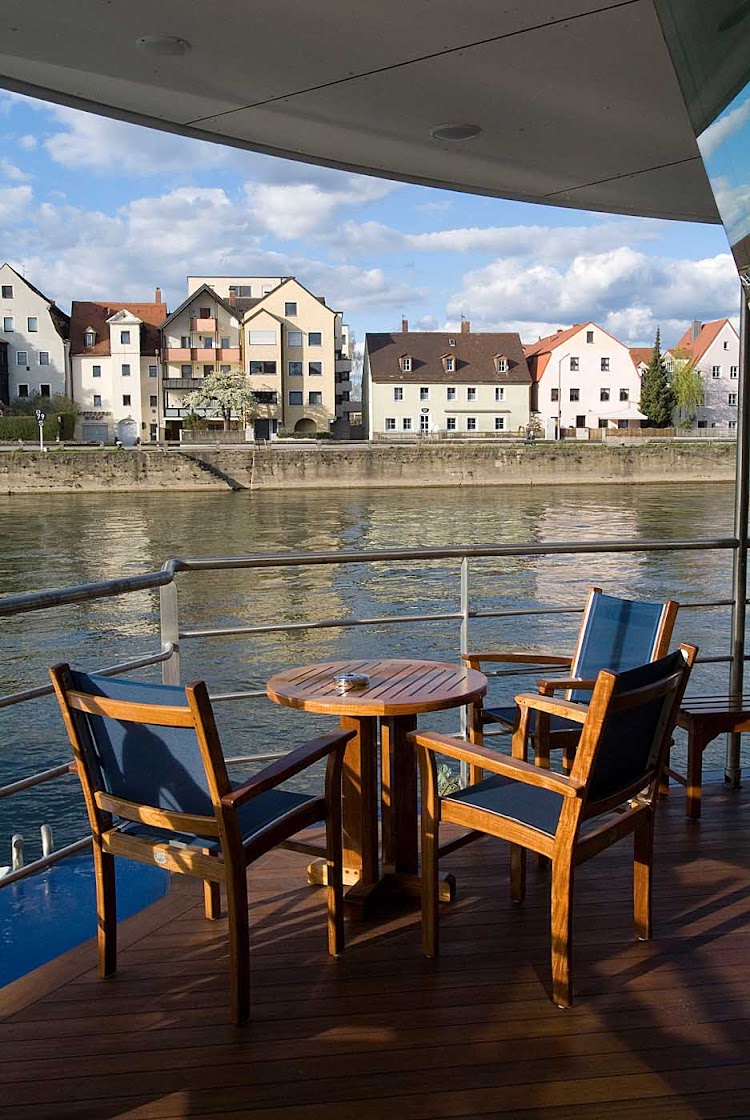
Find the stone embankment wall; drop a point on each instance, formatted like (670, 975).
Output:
(341, 466)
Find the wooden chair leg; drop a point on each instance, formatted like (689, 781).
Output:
(562, 930)
(106, 911)
(239, 944)
(212, 900)
(569, 757)
(335, 890)
(430, 885)
(694, 776)
(643, 845)
(517, 872)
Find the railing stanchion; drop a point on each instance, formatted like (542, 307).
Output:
(732, 770)
(464, 769)
(169, 621)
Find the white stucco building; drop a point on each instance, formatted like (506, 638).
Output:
(715, 348)
(36, 332)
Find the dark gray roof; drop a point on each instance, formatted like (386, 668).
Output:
(475, 354)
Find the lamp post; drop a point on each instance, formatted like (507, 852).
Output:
(40, 418)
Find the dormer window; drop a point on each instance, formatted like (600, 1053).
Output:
(501, 363)
(405, 363)
(449, 363)
(89, 336)
(451, 342)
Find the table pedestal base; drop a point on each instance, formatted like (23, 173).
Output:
(361, 899)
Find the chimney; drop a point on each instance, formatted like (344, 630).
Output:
(465, 326)
(405, 326)
(696, 329)
(157, 296)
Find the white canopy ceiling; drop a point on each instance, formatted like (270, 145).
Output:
(576, 99)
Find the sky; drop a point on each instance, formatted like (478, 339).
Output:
(97, 209)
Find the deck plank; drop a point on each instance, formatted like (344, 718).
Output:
(657, 1029)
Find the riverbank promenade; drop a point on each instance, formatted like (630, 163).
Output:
(658, 1029)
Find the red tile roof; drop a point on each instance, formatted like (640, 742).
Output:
(85, 314)
(641, 354)
(696, 348)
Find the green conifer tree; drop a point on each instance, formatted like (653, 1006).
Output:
(657, 393)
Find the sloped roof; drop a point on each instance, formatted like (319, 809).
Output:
(474, 353)
(211, 294)
(696, 348)
(89, 314)
(60, 320)
(641, 354)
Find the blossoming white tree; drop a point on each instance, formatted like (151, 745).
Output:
(225, 394)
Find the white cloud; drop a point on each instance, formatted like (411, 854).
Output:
(302, 209)
(722, 129)
(28, 142)
(12, 172)
(14, 203)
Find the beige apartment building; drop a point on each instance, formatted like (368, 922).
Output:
(458, 384)
(295, 351)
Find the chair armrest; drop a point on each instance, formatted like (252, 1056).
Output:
(284, 768)
(497, 763)
(548, 686)
(511, 657)
(568, 709)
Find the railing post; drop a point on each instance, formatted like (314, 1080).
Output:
(464, 768)
(732, 770)
(169, 621)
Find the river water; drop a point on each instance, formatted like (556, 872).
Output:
(60, 539)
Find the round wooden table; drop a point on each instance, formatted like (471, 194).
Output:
(398, 691)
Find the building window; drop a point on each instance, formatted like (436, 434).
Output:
(32, 323)
(225, 369)
(575, 394)
(8, 323)
(450, 393)
(554, 394)
(97, 401)
(734, 372)
(580, 421)
(604, 394)
(208, 342)
(204, 312)
(208, 370)
(45, 391)
(390, 423)
(603, 423)
(471, 394)
(44, 357)
(295, 398)
(499, 392)
(294, 338)
(185, 342)
(186, 371)
(501, 365)
(499, 423)
(450, 365)
(126, 399)
(22, 357)
(450, 424)
(244, 291)
(406, 364)
(125, 370)
(295, 369)
(703, 423)
(574, 364)
(89, 337)
(315, 369)
(263, 367)
(406, 423)
(424, 393)
(398, 393)
(7, 291)
(225, 344)
(314, 338)
(96, 371)
(624, 394)
(125, 338)
(152, 371)
(589, 336)
(314, 397)
(715, 372)
(732, 399)
(153, 401)
(290, 308)
(726, 345)
(604, 365)
(471, 423)
(23, 390)
(732, 424)
(265, 397)
(261, 338)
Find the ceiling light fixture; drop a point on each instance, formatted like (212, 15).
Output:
(167, 46)
(454, 132)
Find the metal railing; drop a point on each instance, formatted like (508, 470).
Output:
(173, 634)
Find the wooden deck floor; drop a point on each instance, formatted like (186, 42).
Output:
(658, 1030)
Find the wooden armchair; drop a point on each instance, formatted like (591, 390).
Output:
(609, 793)
(157, 790)
(614, 634)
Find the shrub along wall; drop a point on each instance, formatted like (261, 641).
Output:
(27, 428)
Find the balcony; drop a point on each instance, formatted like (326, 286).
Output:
(343, 366)
(203, 354)
(228, 354)
(176, 354)
(182, 383)
(205, 326)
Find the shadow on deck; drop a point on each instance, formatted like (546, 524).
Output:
(658, 1030)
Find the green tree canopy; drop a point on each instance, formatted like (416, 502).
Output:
(657, 393)
(224, 394)
(688, 389)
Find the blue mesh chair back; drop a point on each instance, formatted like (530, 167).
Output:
(618, 634)
(157, 766)
(629, 746)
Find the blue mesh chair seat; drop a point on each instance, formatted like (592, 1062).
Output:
(157, 790)
(625, 730)
(615, 634)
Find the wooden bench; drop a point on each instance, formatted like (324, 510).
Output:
(705, 717)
